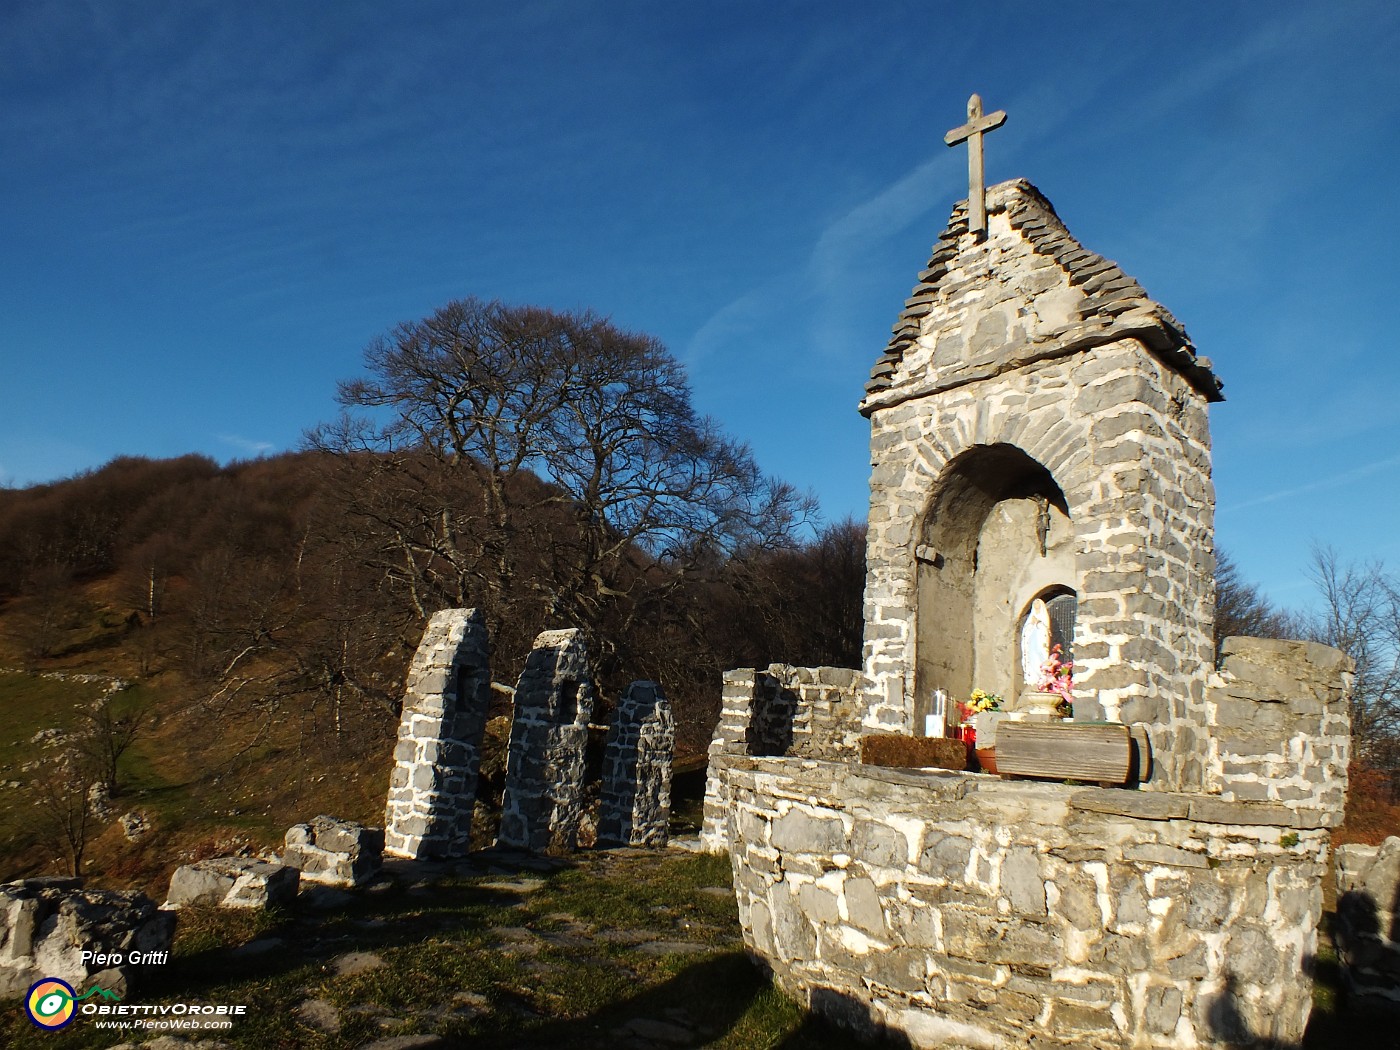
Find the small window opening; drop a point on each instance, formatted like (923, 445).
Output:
(1063, 609)
(568, 703)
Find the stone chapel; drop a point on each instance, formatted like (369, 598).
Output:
(1038, 430)
(1039, 440)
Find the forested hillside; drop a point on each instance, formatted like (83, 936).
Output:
(265, 636)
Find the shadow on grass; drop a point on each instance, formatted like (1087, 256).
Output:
(420, 900)
(705, 998)
(721, 1000)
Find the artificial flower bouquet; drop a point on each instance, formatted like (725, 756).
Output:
(1057, 676)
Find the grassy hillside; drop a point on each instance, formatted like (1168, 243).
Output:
(202, 781)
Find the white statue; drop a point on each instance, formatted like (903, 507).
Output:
(1035, 644)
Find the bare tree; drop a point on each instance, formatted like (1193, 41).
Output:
(800, 606)
(300, 642)
(105, 731)
(60, 791)
(1360, 615)
(145, 578)
(524, 459)
(42, 617)
(1242, 610)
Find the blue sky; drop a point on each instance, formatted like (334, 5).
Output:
(207, 209)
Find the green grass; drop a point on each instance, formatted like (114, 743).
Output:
(483, 967)
(29, 704)
(148, 778)
(181, 772)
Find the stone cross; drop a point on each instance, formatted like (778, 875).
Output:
(977, 125)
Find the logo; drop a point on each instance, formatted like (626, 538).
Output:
(49, 1003)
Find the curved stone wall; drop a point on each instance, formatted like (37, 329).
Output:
(964, 911)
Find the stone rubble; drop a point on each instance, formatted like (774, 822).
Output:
(135, 825)
(233, 882)
(47, 924)
(334, 852)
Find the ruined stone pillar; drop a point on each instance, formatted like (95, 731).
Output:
(545, 762)
(636, 803)
(433, 787)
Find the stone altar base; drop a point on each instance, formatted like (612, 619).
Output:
(960, 910)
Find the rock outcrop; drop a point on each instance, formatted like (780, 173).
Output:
(55, 928)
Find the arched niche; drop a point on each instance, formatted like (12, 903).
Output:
(995, 535)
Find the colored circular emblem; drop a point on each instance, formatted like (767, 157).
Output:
(49, 1003)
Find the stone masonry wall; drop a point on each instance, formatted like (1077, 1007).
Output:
(1126, 440)
(432, 789)
(964, 911)
(635, 807)
(809, 712)
(554, 698)
(1367, 927)
(1279, 724)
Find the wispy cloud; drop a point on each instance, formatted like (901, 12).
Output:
(887, 212)
(1337, 416)
(732, 323)
(822, 290)
(1335, 481)
(252, 448)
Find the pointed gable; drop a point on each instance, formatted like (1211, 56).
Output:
(1025, 292)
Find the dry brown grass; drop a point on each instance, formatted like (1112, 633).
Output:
(1372, 813)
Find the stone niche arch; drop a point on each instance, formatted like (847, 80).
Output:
(995, 535)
